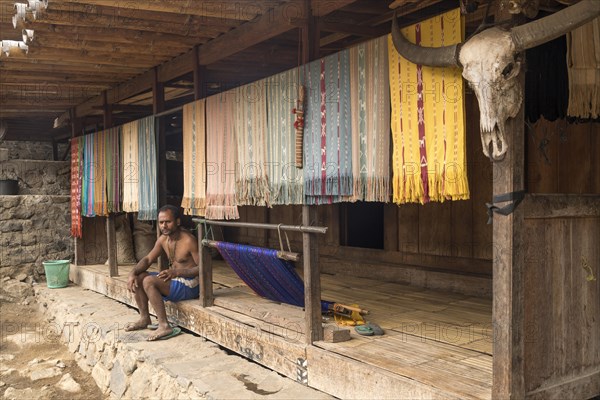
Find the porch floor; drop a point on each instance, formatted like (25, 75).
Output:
(436, 344)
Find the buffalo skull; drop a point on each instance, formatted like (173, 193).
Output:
(491, 62)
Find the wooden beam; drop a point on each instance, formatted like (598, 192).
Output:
(357, 30)
(275, 22)
(561, 206)
(239, 10)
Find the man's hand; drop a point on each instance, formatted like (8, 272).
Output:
(132, 283)
(167, 274)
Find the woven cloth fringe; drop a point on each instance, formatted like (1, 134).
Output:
(130, 163)
(328, 130)
(148, 193)
(370, 99)
(583, 62)
(428, 129)
(221, 157)
(76, 173)
(285, 180)
(251, 184)
(194, 159)
(87, 178)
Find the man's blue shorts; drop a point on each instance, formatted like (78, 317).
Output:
(182, 288)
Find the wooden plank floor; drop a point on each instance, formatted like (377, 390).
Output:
(440, 340)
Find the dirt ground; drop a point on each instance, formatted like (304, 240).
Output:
(29, 343)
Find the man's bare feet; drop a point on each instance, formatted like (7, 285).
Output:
(138, 325)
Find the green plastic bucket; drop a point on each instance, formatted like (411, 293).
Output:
(57, 273)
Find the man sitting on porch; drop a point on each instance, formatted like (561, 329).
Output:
(179, 282)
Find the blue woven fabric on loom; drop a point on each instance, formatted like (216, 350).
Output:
(269, 276)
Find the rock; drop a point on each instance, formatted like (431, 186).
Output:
(102, 376)
(6, 357)
(118, 380)
(60, 364)
(19, 290)
(45, 373)
(21, 277)
(2, 384)
(6, 278)
(20, 394)
(68, 384)
(7, 371)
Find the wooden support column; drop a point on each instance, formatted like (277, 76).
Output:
(508, 261)
(312, 280)
(111, 233)
(158, 105)
(312, 273)
(207, 298)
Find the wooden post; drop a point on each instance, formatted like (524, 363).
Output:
(158, 105)
(111, 238)
(312, 277)
(111, 234)
(312, 280)
(508, 260)
(207, 298)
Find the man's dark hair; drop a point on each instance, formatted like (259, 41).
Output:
(169, 207)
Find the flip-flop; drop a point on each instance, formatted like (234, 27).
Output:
(377, 331)
(154, 327)
(176, 331)
(364, 330)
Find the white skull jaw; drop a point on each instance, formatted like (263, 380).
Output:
(491, 67)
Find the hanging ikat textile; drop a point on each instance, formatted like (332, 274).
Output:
(130, 162)
(148, 193)
(370, 99)
(251, 183)
(221, 157)
(194, 160)
(328, 130)
(76, 174)
(285, 180)
(428, 129)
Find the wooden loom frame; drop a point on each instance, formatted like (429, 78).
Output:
(312, 282)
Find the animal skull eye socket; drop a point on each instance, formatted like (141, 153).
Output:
(508, 69)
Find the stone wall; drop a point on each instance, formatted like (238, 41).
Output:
(33, 229)
(31, 150)
(38, 176)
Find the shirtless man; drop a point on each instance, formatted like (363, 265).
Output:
(179, 282)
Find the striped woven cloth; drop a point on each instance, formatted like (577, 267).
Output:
(267, 275)
(130, 162)
(113, 169)
(99, 174)
(428, 128)
(251, 185)
(328, 130)
(370, 99)
(194, 158)
(148, 190)
(285, 180)
(87, 178)
(76, 173)
(221, 156)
